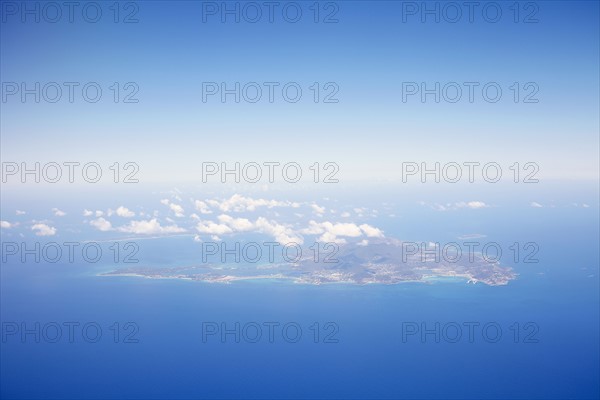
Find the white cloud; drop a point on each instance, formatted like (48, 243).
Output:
(237, 224)
(19, 212)
(58, 212)
(317, 209)
(87, 213)
(101, 224)
(177, 209)
(228, 225)
(239, 203)
(477, 204)
(371, 231)
(213, 203)
(536, 205)
(43, 230)
(471, 236)
(99, 213)
(314, 228)
(212, 228)
(202, 207)
(343, 229)
(330, 232)
(146, 227)
(281, 233)
(329, 237)
(5, 224)
(455, 206)
(345, 214)
(125, 212)
(337, 229)
(471, 204)
(359, 211)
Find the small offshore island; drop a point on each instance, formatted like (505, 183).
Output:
(378, 262)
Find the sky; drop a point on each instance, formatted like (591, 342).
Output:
(366, 57)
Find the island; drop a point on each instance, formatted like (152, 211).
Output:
(383, 261)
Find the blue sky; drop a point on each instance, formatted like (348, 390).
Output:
(368, 54)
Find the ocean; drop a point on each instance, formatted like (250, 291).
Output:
(169, 338)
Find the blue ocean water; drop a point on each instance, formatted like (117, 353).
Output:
(364, 356)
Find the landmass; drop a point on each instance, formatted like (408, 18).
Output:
(381, 262)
